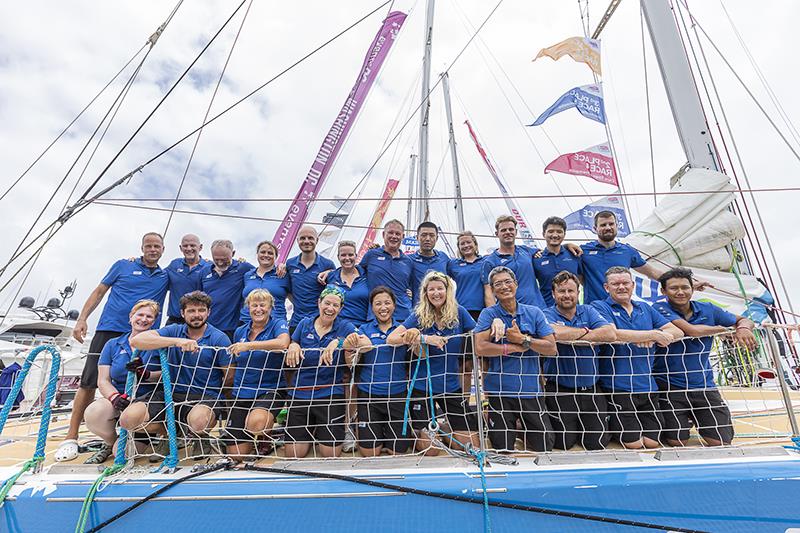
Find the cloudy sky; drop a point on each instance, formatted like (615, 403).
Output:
(55, 56)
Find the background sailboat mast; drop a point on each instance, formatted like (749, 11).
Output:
(412, 183)
(422, 187)
(453, 155)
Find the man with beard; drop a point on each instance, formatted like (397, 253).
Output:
(199, 367)
(626, 370)
(554, 258)
(127, 282)
(303, 270)
(184, 275)
(426, 258)
(388, 266)
(223, 281)
(575, 403)
(604, 253)
(683, 371)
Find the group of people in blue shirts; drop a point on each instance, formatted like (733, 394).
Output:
(386, 341)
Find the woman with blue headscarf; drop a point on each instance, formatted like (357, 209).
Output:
(321, 347)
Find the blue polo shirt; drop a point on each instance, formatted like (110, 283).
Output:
(444, 364)
(548, 265)
(521, 263)
(356, 298)
(576, 365)
(395, 273)
(314, 380)
(305, 287)
(259, 371)
(384, 369)
(225, 292)
(515, 374)
(469, 288)
(130, 281)
(684, 365)
(279, 288)
(627, 367)
(197, 372)
(182, 280)
(117, 353)
(596, 259)
(422, 265)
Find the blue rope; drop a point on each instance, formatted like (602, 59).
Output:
(795, 444)
(122, 442)
(411, 382)
(171, 460)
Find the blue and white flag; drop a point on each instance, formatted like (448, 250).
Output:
(588, 99)
(584, 218)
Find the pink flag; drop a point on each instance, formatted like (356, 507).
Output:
(298, 211)
(377, 218)
(595, 162)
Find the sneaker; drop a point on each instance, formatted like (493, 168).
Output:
(206, 445)
(349, 441)
(161, 450)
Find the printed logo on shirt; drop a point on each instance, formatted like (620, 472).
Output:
(616, 313)
(310, 336)
(180, 270)
(284, 326)
(137, 272)
(381, 258)
(463, 264)
(593, 252)
(546, 262)
(210, 274)
(375, 335)
(295, 271)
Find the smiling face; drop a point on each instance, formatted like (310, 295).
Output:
(266, 256)
(566, 295)
(329, 308)
(307, 239)
(619, 287)
(383, 307)
(222, 257)
(507, 233)
(504, 286)
(152, 249)
(190, 248)
(436, 293)
(195, 315)
(606, 228)
(260, 311)
(427, 238)
(554, 235)
(142, 319)
(678, 291)
(347, 256)
(392, 237)
(466, 246)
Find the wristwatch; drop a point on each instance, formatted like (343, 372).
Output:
(526, 343)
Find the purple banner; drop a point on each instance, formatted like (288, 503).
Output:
(298, 211)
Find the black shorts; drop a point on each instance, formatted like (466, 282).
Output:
(702, 408)
(578, 416)
(635, 415)
(504, 412)
(321, 419)
(99, 340)
(380, 422)
(454, 406)
(240, 408)
(157, 412)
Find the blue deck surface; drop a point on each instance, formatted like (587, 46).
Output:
(725, 496)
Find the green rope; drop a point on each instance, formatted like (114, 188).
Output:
(674, 251)
(89, 499)
(30, 464)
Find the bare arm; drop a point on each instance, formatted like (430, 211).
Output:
(228, 373)
(151, 340)
(545, 345)
(637, 336)
(699, 330)
(94, 299)
(649, 270)
(488, 296)
(104, 381)
(484, 347)
(607, 333)
(673, 330)
(281, 342)
(397, 337)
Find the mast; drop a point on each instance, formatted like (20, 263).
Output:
(422, 187)
(411, 186)
(453, 155)
(687, 109)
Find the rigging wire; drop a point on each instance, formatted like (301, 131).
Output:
(647, 101)
(205, 117)
(83, 203)
(73, 121)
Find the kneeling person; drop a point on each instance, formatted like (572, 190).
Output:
(317, 411)
(513, 336)
(259, 384)
(626, 372)
(198, 369)
(683, 371)
(577, 406)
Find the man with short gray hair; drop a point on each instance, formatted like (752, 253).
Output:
(184, 275)
(223, 281)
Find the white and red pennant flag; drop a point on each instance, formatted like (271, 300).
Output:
(596, 162)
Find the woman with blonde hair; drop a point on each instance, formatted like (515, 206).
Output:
(259, 385)
(435, 330)
(116, 360)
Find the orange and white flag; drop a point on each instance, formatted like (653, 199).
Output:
(581, 49)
